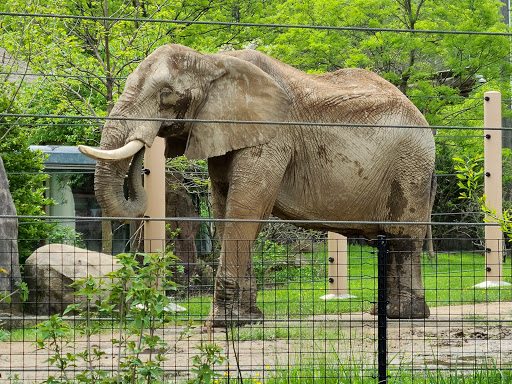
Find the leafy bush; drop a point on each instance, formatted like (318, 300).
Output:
(24, 171)
(134, 296)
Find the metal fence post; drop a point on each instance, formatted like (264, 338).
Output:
(337, 251)
(493, 189)
(154, 183)
(382, 302)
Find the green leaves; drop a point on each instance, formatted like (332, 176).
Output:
(470, 175)
(24, 171)
(210, 355)
(134, 295)
(22, 291)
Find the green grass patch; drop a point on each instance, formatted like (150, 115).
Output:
(287, 291)
(355, 373)
(330, 368)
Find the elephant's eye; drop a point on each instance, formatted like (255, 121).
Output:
(168, 97)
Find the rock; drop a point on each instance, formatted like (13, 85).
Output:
(51, 269)
(9, 264)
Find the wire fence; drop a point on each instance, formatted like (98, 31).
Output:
(162, 319)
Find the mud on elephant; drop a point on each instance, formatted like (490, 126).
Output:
(366, 169)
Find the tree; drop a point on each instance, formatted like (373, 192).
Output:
(89, 58)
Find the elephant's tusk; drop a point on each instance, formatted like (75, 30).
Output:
(128, 150)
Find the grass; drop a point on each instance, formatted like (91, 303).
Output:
(332, 369)
(347, 373)
(448, 280)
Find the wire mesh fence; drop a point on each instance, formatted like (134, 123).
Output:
(294, 306)
(140, 316)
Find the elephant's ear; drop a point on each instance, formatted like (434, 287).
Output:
(244, 93)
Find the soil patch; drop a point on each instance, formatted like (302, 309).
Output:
(466, 336)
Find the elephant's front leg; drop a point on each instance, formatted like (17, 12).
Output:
(255, 178)
(235, 285)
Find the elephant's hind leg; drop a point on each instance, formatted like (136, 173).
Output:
(406, 295)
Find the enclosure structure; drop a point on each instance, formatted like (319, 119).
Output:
(158, 328)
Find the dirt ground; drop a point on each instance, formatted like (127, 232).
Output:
(465, 336)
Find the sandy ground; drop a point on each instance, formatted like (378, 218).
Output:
(459, 337)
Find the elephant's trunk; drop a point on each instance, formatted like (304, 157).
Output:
(110, 188)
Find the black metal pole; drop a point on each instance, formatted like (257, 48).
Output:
(382, 302)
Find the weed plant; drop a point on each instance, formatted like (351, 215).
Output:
(135, 297)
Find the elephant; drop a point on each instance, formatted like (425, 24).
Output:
(9, 263)
(359, 172)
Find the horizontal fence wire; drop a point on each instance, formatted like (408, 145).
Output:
(279, 123)
(169, 171)
(261, 221)
(257, 25)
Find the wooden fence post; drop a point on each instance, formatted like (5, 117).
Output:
(337, 253)
(493, 190)
(154, 184)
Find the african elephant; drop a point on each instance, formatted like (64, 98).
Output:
(366, 169)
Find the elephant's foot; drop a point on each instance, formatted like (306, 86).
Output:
(405, 308)
(408, 308)
(233, 305)
(222, 317)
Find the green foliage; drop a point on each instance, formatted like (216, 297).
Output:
(65, 235)
(333, 370)
(203, 364)
(22, 292)
(277, 263)
(470, 174)
(90, 59)
(24, 171)
(196, 171)
(98, 54)
(55, 335)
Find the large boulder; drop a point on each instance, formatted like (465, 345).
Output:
(51, 269)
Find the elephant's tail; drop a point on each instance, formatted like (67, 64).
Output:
(430, 242)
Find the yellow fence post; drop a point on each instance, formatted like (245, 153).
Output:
(493, 189)
(337, 254)
(154, 184)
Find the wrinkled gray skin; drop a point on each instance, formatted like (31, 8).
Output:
(8, 238)
(291, 171)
